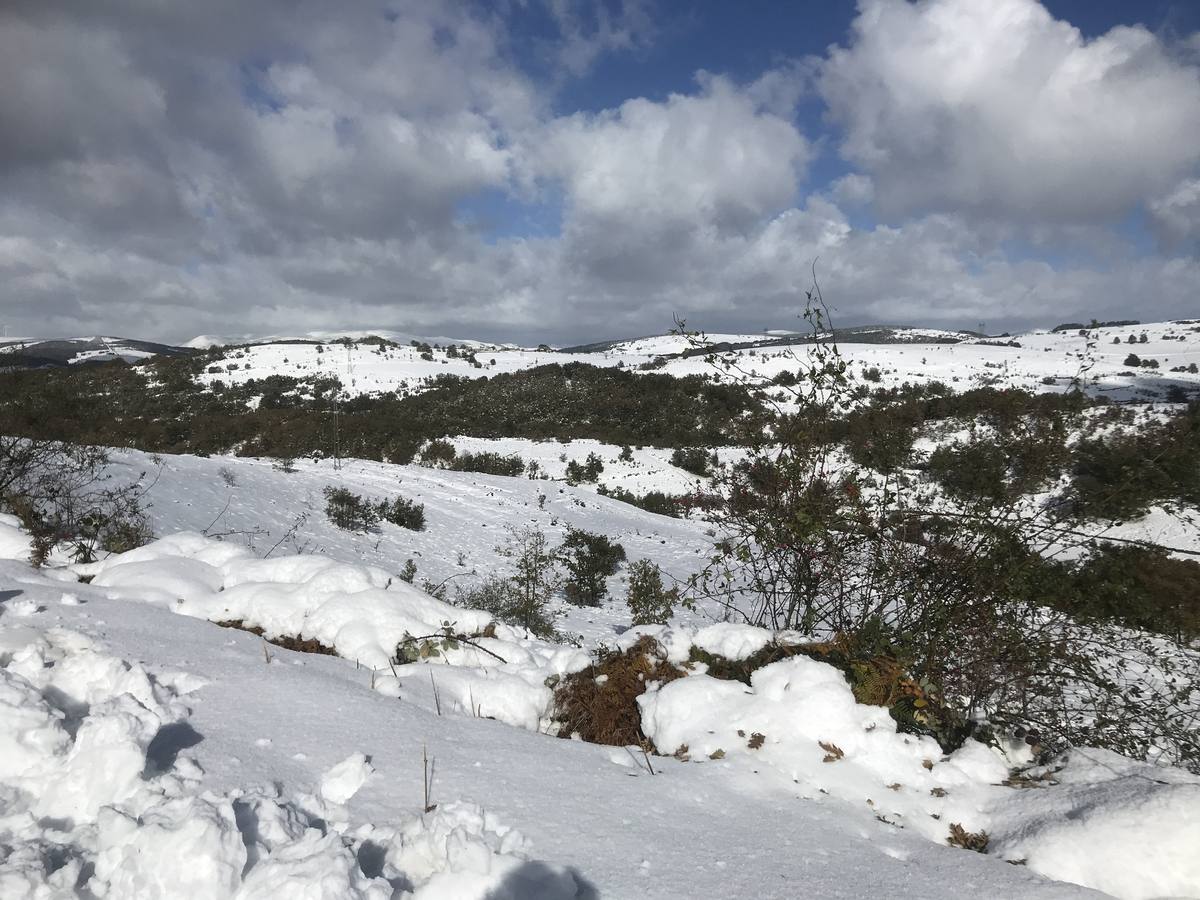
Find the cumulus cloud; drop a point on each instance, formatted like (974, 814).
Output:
(175, 169)
(1176, 215)
(714, 156)
(997, 108)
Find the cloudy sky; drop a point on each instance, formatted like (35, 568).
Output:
(567, 170)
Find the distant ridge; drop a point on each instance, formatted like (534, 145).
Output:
(33, 353)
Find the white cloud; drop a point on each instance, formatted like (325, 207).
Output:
(588, 30)
(714, 157)
(1176, 215)
(997, 108)
(222, 167)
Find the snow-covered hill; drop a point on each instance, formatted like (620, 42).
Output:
(35, 352)
(1037, 361)
(146, 751)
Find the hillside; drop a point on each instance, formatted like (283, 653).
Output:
(277, 699)
(1036, 361)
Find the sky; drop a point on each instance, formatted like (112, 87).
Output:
(569, 171)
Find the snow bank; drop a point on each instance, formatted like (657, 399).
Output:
(361, 612)
(87, 804)
(14, 543)
(799, 717)
(1122, 827)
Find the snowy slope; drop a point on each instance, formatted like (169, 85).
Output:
(74, 351)
(1043, 361)
(466, 515)
(283, 767)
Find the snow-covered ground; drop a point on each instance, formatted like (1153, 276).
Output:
(150, 753)
(256, 506)
(1043, 361)
(266, 768)
(147, 752)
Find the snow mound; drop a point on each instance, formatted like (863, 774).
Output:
(799, 717)
(362, 612)
(88, 805)
(14, 543)
(345, 779)
(1112, 824)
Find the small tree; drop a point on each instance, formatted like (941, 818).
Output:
(348, 510)
(589, 560)
(696, 460)
(649, 603)
(438, 454)
(589, 471)
(526, 597)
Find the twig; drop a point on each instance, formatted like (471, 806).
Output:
(456, 637)
(429, 771)
(210, 525)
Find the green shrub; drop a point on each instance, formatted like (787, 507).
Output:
(588, 471)
(651, 501)
(881, 437)
(403, 512)
(696, 460)
(489, 463)
(438, 453)
(1139, 587)
(648, 601)
(589, 559)
(348, 510)
(971, 471)
(1119, 475)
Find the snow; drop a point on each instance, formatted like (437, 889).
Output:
(732, 640)
(345, 779)
(188, 763)
(1039, 361)
(799, 709)
(1134, 839)
(145, 752)
(93, 800)
(14, 543)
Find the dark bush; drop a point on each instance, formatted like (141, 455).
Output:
(403, 512)
(648, 601)
(1119, 475)
(652, 501)
(589, 559)
(489, 463)
(348, 510)
(587, 471)
(1135, 586)
(438, 453)
(696, 460)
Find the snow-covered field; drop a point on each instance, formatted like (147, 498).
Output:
(150, 753)
(146, 752)
(1043, 361)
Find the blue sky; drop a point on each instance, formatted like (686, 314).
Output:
(567, 170)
